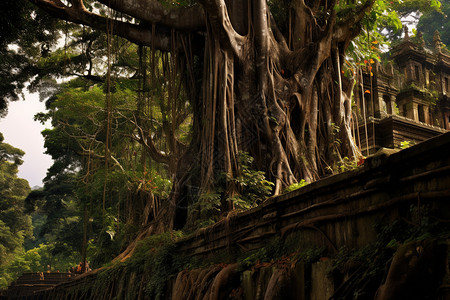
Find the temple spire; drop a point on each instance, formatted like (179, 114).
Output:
(406, 33)
(421, 40)
(437, 41)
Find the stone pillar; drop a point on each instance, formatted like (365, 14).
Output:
(322, 286)
(413, 113)
(380, 108)
(426, 112)
(248, 285)
(409, 72)
(393, 105)
(447, 121)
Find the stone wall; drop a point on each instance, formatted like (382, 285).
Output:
(341, 210)
(332, 214)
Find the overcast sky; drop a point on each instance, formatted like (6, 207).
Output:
(21, 131)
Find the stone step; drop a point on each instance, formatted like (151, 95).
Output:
(30, 283)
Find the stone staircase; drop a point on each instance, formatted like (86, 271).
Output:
(30, 283)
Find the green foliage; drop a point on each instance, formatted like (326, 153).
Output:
(208, 208)
(149, 245)
(37, 259)
(433, 20)
(368, 264)
(277, 249)
(274, 249)
(406, 144)
(366, 48)
(380, 27)
(164, 264)
(152, 182)
(155, 257)
(407, 7)
(252, 185)
(347, 164)
(59, 221)
(77, 143)
(15, 225)
(296, 186)
(421, 226)
(309, 255)
(10, 153)
(27, 33)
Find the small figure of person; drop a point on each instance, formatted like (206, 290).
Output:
(79, 268)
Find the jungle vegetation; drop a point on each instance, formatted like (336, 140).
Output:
(172, 114)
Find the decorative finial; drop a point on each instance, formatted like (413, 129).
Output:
(437, 41)
(406, 32)
(420, 39)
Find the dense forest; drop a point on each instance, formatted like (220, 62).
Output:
(172, 115)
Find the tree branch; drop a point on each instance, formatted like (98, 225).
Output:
(279, 37)
(315, 54)
(134, 33)
(346, 28)
(183, 19)
(150, 146)
(218, 15)
(89, 152)
(77, 4)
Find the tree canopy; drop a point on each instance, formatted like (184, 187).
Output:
(434, 20)
(15, 225)
(27, 33)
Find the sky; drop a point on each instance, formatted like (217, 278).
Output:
(21, 131)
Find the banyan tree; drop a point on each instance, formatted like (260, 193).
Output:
(262, 77)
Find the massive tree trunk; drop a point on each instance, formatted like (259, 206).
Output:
(270, 85)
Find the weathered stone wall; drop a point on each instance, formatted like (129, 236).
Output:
(336, 212)
(341, 210)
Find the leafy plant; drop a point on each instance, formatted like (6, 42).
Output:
(309, 255)
(207, 208)
(252, 184)
(251, 188)
(296, 186)
(347, 164)
(274, 249)
(406, 144)
(155, 257)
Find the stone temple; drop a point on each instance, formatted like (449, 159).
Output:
(405, 99)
